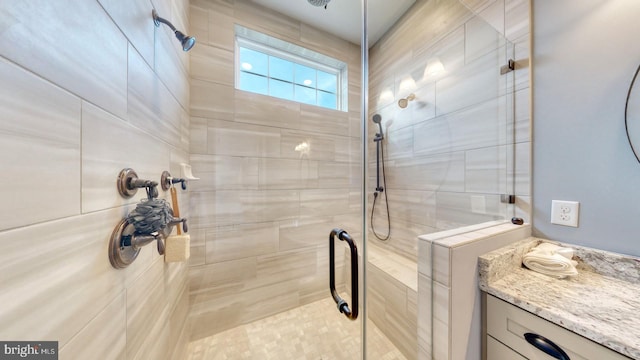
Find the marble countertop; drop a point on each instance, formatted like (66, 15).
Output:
(601, 303)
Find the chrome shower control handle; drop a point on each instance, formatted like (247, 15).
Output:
(176, 221)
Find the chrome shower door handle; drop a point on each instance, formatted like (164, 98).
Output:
(343, 306)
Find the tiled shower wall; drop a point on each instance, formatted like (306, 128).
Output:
(262, 211)
(450, 153)
(88, 88)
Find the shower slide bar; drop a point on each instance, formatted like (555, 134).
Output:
(343, 306)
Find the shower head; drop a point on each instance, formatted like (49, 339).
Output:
(186, 41)
(378, 120)
(404, 102)
(319, 2)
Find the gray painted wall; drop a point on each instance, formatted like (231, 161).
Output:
(585, 53)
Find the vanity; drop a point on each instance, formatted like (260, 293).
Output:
(526, 315)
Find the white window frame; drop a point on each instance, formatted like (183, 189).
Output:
(268, 45)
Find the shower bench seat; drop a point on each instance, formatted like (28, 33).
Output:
(392, 298)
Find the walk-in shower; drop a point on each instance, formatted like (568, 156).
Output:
(263, 271)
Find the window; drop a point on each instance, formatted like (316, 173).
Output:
(269, 66)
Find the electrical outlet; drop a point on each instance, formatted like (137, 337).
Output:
(565, 212)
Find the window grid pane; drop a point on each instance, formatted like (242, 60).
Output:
(271, 75)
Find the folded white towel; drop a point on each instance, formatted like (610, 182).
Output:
(552, 260)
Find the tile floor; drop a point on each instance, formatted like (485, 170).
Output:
(311, 332)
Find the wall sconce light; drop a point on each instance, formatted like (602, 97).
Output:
(386, 97)
(434, 67)
(407, 85)
(186, 41)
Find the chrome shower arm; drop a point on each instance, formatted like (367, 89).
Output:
(186, 41)
(157, 20)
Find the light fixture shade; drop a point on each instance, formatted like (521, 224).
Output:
(319, 2)
(434, 67)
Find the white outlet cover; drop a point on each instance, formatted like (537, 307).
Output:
(565, 212)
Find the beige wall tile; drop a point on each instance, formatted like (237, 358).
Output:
(199, 24)
(226, 207)
(211, 100)
(523, 64)
(475, 127)
(319, 147)
(97, 73)
(288, 265)
(104, 335)
(225, 172)
(486, 170)
(103, 160)
(180, 14)
(443, 172)
(211, 281)
(494, 15)
(516, 19)
(72, 259)
(477, 5)
(324, 202)
(337, 175)
(322, 120)
(172, 64)
(267, 21)
(42, 145)
(237, 139)
(221, 32)
(522, 118)
(198, 250)
(158, 114)
(404, 239)
(425, 315)
(145, 302)
(523, 169)
(240, 241)
(325, 43)
(212, 64)
(480, 39)
(304, 232)
(198, 132)
(477, 82)
(462, 209)
(265, 110)
(128, 16)
(288, 174)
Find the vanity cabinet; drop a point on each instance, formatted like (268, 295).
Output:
(506, 326)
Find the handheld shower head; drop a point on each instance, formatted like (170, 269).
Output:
(186, 41)
(378, 120)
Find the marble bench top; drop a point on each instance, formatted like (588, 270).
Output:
(602, 303)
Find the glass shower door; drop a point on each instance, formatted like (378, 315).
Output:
(446, 115)
(276, 177)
